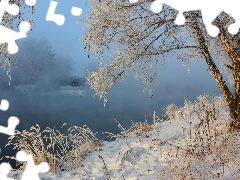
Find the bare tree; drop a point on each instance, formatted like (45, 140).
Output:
(38, 64)
(141, 38)
(35, 58)
(25, 14)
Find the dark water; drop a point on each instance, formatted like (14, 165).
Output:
(125, 103)
(53, 111)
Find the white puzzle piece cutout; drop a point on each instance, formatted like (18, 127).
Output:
(210, 10)
(9, 36)
(31, 171)
(30, 2)
(59, 19)
(4, 170)
(10, 130)
(76, 11)
(4, 105)
(12, 121)
(10, 8)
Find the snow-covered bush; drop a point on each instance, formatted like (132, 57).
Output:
(210, 150)
(60, 151)
(171, 112)
(136, 129)
(192, 109)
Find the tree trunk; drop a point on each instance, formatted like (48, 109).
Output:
(234, 106)
(233, 101)
(235, 115)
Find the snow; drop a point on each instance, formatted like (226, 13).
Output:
(140, 157)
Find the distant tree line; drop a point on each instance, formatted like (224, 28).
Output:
(39, 65)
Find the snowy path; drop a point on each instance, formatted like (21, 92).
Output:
(128, 158)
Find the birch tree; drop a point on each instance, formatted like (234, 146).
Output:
(142, 39)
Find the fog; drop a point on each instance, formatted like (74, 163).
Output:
(125, 102)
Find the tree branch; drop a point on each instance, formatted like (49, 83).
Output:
(158, 53)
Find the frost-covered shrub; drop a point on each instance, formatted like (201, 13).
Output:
(171, 111)
(136, 129)
(192, 109)
(209, 151)
(63, 152)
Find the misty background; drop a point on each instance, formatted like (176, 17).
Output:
(37, 95)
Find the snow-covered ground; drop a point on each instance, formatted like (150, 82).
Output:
(140, 157)
(130, 158)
